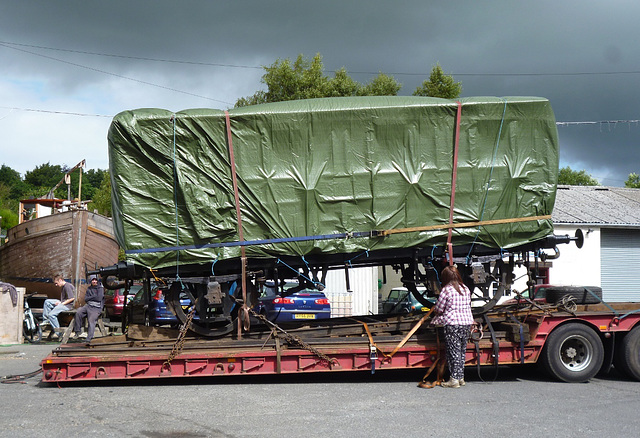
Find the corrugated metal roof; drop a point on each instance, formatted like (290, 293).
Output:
(616, 206)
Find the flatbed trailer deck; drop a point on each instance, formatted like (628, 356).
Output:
(574, 345)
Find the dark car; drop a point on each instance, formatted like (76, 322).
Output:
(114, 300)
(153, 310)
(306, 304)
(400, 300)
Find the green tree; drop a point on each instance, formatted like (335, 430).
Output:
(44, 176)
(9, 218)
(342, 84)
(576, 178)
(5, 193)
(381, 85)
(5, 196)
(9, 176)
(633, 181)
(439, 85)
(257, 98)
(91, 181)
(102, 197)
(304, 79)
(17, 187)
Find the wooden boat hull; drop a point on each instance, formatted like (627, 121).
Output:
(65, 243)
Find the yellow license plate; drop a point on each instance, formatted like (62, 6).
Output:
(304, 316)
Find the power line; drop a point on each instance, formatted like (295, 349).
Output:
(141, 58)
(9, 44)
(113, 74)
(66, 113)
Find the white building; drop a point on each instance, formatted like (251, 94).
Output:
(610, 220)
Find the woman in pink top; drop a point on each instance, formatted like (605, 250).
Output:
(453, 310)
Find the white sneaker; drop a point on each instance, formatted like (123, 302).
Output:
(462, 382)
(451, 383)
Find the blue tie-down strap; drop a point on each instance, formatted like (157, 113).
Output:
(373, 355)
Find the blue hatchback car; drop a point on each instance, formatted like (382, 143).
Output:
(155, 311)
(303, 305)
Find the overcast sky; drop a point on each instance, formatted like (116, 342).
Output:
(67, 67)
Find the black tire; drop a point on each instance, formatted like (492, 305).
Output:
(38, 335)
(33, 336)
(627, 357)
(573, 353)
(580, 294)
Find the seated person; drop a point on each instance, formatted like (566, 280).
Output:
(53, 307)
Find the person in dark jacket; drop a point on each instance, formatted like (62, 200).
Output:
(94, 299)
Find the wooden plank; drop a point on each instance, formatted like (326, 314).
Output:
(101, 224)
(42, 225)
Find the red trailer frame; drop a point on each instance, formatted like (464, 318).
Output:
(584, 341)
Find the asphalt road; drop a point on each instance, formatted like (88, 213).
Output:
(522, 402)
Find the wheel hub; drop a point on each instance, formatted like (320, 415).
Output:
(576, 354)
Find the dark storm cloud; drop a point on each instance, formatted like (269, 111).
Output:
(559, 45)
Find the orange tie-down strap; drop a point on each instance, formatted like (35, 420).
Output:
(464, 225)
(402, 342)
(439, 363)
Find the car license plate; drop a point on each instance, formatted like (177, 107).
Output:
(304, 316)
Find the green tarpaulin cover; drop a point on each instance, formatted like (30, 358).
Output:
(315, 175)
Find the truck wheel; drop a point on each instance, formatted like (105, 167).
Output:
(573, 353)
(627, 357)
(579, 293)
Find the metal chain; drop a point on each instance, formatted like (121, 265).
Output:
(294, 340)
(177, 347)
